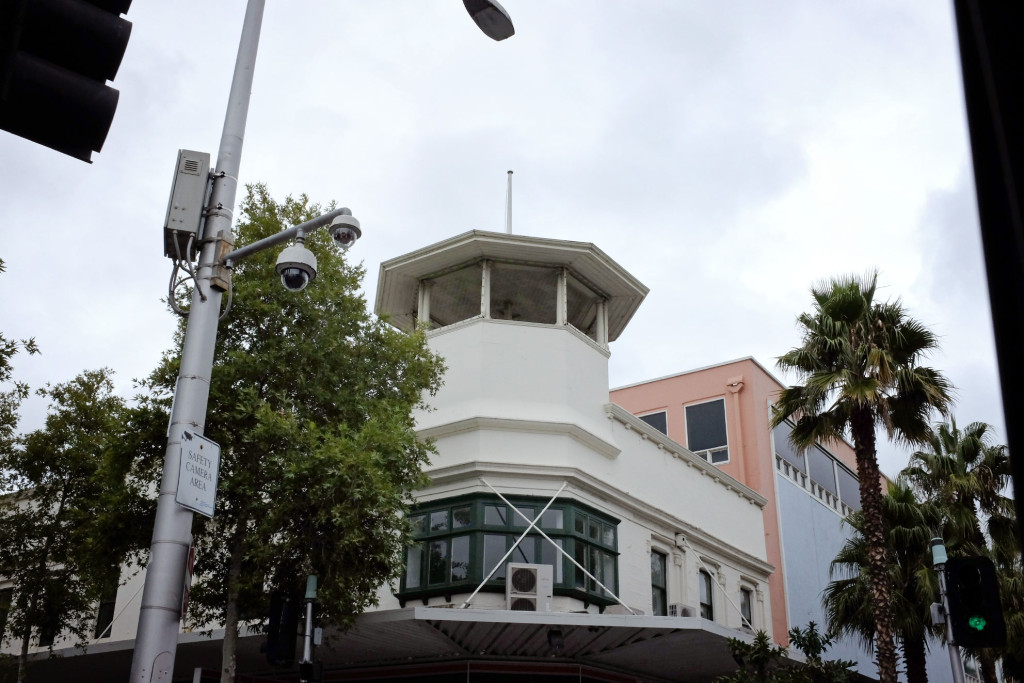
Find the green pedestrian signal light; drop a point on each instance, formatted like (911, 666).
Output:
(975, 612)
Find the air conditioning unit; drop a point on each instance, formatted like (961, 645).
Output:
(528, 587)
(678, 609)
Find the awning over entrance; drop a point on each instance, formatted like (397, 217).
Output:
(433, 643)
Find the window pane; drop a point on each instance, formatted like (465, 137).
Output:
(849, 488)
(439, 520)
(657, 568)
(460, 558)
(495, 515)
(524, 293)
(608, 535)
(705, 425)
(822, 469)
(526, 551)
(548, 555)
(437, 572)
(659, 606)
(418, 523)
(707, 609)
(413, 565)
(519, 521)
(719, 456)
(462, 516)
(657, 420)
(551, 519)
(608, 572)
(596, 568)
(745, 596)
(582, 305)
(580, 555)
(785, 449)
(456, 296)
(494, 549)
(580, 524)
(595, 530)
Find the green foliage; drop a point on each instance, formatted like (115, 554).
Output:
(847, 598)
(812, 644)
(76, 514)
(965, 476)
(11, 393)
(762, 661)
(311, 402)
(860, 367)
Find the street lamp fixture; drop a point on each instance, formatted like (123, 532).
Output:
(491, 17)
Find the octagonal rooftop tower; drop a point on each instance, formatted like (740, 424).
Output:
(524, 325)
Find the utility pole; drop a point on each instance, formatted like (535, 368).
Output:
(156, 640)
(306, 670)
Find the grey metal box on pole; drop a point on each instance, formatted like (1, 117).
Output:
(185, 207)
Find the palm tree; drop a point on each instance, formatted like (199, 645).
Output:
(859, 363)
(847, 600)
(966, 475)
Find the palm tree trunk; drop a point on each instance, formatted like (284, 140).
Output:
(988, 666)
(862, 425)
(915, 656)
(229, 661)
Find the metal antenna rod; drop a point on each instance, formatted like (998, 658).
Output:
(508, 205)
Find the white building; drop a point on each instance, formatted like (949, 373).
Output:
(524, 417)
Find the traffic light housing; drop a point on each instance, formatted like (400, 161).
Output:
(975, 613)
(55, 59)
(282, 629)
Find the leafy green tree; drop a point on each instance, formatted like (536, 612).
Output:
(860, 364)
(812, 643)
(11, 393)
(847, 601)
(68, 524)
(966, 476)
(762, 661)
(310, 401)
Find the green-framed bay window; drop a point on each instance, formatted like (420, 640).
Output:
(459, 540)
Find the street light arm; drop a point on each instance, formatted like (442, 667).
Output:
(284, 236)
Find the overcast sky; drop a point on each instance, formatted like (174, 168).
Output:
(728, 154)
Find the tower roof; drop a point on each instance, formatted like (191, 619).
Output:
(398, 284)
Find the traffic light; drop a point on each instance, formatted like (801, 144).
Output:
(975, 613)
(55, 59)
(282, 629)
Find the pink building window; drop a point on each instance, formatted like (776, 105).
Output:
(706, 434)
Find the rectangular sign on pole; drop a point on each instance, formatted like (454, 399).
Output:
(197, 473)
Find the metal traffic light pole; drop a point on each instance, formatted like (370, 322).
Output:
(939, 562)
(156, 639)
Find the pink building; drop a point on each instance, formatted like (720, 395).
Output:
(721, 413)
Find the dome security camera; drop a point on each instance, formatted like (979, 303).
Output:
(345, 231)
(297, 267)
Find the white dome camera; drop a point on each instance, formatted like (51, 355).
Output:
(297, 267)
(345, 231)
